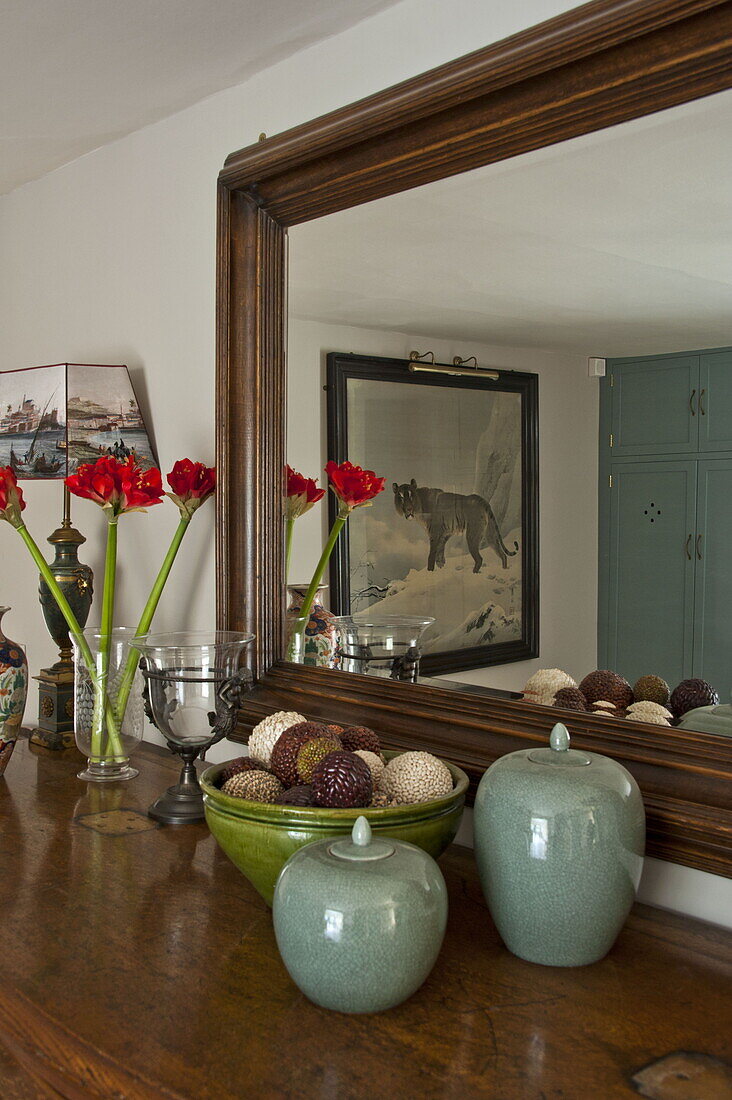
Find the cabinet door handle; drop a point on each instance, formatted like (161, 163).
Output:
(701, 402)
(698, 546)
(691, 402)
(688, 548)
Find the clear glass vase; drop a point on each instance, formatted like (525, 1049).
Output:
(387, 645)
(109, 713)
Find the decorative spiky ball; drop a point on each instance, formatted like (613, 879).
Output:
(296, 796)
(652, 689)
(375, 763)
(416, 777)
(342, 779)
(360, 737)
(543, 685)
(646, 711)
(311, 753)
(570, 699)
(265, 734)
(334, 730)
(284, 754)
(256, 786)
(691, 694)
(607, 685)
(241, 764)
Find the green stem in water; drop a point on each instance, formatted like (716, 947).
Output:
(148, 612)
(289, 528)
(110, 575)
(335, 531)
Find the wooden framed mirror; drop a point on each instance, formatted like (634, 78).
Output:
(593, 67)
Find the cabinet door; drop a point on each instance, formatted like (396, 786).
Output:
(713, 620)
(650, 590)
(715, 401)
(655, 406)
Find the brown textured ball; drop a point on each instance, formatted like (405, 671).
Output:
(570, 699)
(334, 730)
(311, 753)
(296, 796)
(342, 779)
(241, 764)
(256, 786)
(283, 761)
(604, 684)
(652, 689)
(360, 737)
(691, 694)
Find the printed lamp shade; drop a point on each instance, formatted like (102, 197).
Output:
(55, 418)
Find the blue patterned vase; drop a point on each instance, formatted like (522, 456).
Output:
(13, 693)
(315, 645)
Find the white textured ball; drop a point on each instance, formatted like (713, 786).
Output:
(415, 777)
(376, 766)
(645, 711)
(266, 733)
(544, 685)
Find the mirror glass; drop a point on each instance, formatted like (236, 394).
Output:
(613, 246)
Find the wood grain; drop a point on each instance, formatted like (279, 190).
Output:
(589, 68)
(144, 965)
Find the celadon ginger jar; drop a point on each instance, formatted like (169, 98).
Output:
(559, 840)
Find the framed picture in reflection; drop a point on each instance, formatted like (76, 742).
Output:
(454, 535)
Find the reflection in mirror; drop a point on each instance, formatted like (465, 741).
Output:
(612, 246)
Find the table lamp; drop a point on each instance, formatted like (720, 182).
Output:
(53, 419)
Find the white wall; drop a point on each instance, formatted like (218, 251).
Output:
(112, 259)
(568, 456)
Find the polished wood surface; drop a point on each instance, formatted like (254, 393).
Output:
(591, 67)
(138, 963)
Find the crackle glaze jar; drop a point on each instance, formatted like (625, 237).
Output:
(13, 693)
(360, 920)
(559, 839)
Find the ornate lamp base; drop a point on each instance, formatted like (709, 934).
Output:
(55, 710)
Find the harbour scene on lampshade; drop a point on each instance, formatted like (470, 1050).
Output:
(55, 418)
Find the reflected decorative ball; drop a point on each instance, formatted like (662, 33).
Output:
(284, 754)
(652, 689)
(256, 786)
(416, 777)
(570, 698)
(542, 687)
(691, 694)
(607, 685)
(265, 734)
(646, 711)
(360, 737)
(311, 753)
(342, 779)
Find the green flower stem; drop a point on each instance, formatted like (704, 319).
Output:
(101, 696)
(289, 528)
(335, 531)
(147, 615)
(63, 604)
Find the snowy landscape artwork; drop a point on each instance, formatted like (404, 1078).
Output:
(446, 537)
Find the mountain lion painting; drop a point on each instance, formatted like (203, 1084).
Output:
(445, 514)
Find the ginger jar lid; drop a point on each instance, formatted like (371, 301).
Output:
(559, 753)
(362, 846)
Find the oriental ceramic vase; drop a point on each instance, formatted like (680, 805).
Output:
(559, 840)
(310, 642)
(359, 920)
(13, 693)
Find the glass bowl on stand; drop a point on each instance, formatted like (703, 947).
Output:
(383, 645)
(193, 688)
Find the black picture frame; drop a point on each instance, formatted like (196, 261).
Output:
(343, 367)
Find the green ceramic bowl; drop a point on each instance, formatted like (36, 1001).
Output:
(260, 837)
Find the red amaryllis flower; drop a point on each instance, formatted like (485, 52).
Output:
(354, 487)
(117, 486)
(301, 494)
(192, 484)
(11, 498)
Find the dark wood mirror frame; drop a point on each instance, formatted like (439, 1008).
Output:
(592, 67)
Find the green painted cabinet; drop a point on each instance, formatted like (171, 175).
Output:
(665, 585)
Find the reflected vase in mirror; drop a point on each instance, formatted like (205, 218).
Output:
(387, 645)
(193, 688)
(312, 641)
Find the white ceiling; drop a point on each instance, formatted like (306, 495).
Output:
(618, 243)
(75, 74)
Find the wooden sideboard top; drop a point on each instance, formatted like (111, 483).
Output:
(138, 963)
